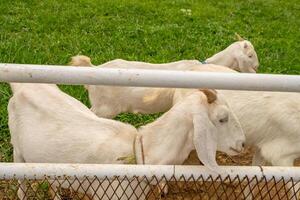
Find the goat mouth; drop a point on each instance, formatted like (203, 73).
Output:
(235, 150)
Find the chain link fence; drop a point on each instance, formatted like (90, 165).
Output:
(148, 188)
(159, 182)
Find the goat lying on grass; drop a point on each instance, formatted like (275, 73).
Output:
(47, 125)
(240, 56)
(263, 122)
(109, 101)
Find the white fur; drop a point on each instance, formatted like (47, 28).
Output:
(240, 56)
(108, 101)
(271, 121)
(47, 125)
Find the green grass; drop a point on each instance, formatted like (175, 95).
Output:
(51, 31)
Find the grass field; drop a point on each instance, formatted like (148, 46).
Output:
(51, 31)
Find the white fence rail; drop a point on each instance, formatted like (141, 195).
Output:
(40, 170)
(36, 180)
(147, 78)
(95, 182)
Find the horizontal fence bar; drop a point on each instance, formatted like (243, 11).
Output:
(147, 78)
(40, 170)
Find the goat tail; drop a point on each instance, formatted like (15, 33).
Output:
(81, 60)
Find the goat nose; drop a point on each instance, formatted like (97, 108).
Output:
(240, 145)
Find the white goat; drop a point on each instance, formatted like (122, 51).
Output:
(239, 56)
(109, 101)
(47, 125)
(271, 121)
(262, 122)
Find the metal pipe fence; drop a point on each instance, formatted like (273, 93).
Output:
(147, 78)
(92, 181)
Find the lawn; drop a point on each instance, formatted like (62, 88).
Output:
(51, 31)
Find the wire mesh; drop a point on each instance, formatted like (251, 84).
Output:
(149, 188)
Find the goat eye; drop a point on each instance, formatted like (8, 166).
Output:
(223, 120)
(250, 56)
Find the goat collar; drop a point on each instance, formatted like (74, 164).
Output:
(132, 159)
(138, 149)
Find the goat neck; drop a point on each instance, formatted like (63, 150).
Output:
(225, 57)
(169, 139)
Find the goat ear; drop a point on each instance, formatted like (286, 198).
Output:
(238, 37)
(205, 141)
(210, 94)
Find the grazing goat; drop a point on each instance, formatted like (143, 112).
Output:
(47, 125)
(271, 122)
(262, 122)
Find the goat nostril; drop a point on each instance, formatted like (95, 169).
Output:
(243, 145)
